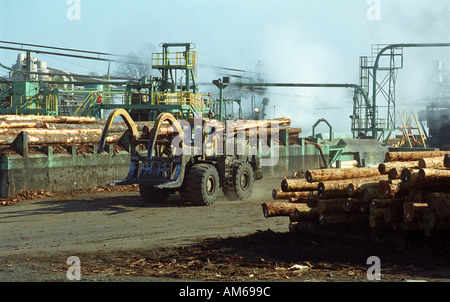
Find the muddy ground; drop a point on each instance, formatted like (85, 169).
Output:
(119, 237)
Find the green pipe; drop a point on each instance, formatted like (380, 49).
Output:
(375, 67)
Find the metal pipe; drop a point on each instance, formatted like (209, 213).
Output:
(316, 85)
(375, 67)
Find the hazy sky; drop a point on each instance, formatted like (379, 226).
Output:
(316, 41)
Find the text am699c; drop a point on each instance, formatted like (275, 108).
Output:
(228, 291)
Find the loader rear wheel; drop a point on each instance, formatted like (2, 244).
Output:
(151, 194)
(202, 184)
(243, 180)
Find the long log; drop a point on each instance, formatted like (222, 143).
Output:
(69, 139)
(334, 185)
(359, 184)
(331, 205)
(320, 175)
(386, 203)
(341, 218)
(306, 214)
(296, 184)
(431, 162)
(21, 124)
(355, 205)
(412, 155)
(429, 174)
(280, 194)
(384, 168)
(49, 118)
(327, 194)
(272, 209)
(61, 139)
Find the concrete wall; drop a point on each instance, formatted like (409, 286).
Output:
(67, 172)
(60, 172)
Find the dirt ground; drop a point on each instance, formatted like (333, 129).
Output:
(119, 237)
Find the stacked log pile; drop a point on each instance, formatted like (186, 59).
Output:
(409, 191)
(64, 131)
(57, 131)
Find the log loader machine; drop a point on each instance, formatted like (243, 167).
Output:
(167, 159)
(163, 168)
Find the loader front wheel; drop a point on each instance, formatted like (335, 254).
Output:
(151, 194)
(202, 184)
(243, 179)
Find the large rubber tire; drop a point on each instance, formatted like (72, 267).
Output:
(153, 195)
(243, 179)
(202, 184)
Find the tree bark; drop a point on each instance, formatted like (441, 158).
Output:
(306, 214)
(320, 175)
(280, 194)
(384, 168)
(429, 174)
(331, 205)
(296, 184)
(272, 209)
(386, 203)
(359, 184)
(354, 205)
(413, 155)
(431, 162)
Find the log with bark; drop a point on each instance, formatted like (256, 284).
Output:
(355, 205)
(310, 214)
(320, 175)
(280, 194)
(273, 209)
(439, 175)
(412, 155)
(296, 184)
(335, 205)
(431, 162)
(359, 184)
(384, 168)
